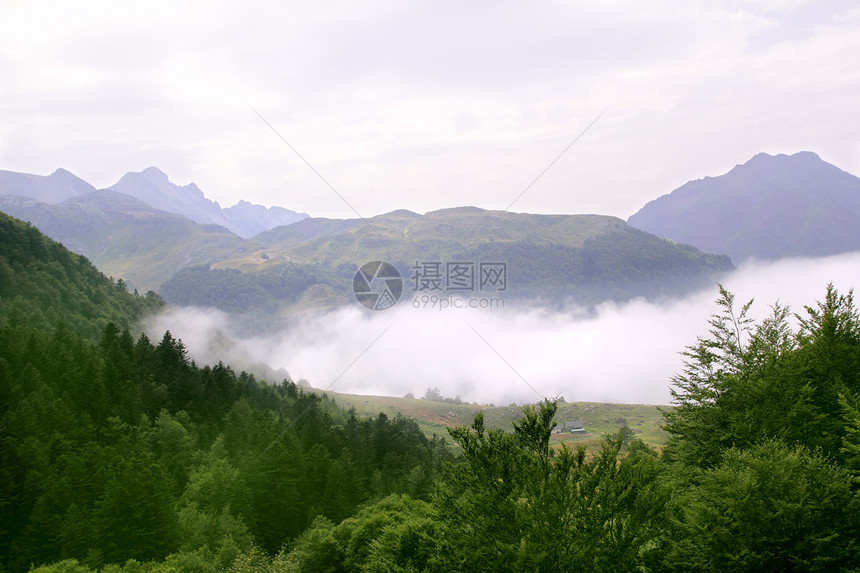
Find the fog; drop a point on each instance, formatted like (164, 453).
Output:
(617, 352)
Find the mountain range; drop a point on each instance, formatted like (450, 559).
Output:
(157, 235)
(768, 208)
(582, 259)
(125, 237)
(153, 188)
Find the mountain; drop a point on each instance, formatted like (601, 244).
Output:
(312, 262)
(43, 284)
(125, 237)
(583, 259)
(153, 187)
(250, 219)
(768, 208)
(406, 236)
(144, 228)
(402, 237)
(54, 188)
(114, 441)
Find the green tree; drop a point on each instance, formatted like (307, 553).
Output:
(851, 442)
(768, 508)
(830, 353)
(273, 476)
(747, 381)
(395, 533)
(516, 504)
(135, 516)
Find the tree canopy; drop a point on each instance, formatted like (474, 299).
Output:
(120, 454)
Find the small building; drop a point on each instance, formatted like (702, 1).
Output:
(572, 427)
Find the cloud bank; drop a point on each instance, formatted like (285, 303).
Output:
(619, 352)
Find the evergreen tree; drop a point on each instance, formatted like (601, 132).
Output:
(768, 508)
(746, 382)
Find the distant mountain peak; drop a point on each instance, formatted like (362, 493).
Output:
(153, 187)
(54, 188)
(804, 155)
(193, 189)
(770, 207)
(155, 173)
(254, 219)
(801, 159)
(464, 210)
(400, 213)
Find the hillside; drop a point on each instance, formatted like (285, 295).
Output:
(157, 235)
(122, 454)
(403, 236)
(583, 259)
(768, 208)
(436, 417)
(42, 285)
(115, 448)
(406, 236)
(125, 237)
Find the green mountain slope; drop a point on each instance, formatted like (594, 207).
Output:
(583, 259)
(125, 237)
(116, 449)
(43, 284)
(403, 236)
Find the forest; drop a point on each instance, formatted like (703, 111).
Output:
(232, 291)
(121, 454)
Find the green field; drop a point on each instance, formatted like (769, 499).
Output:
(434, 417)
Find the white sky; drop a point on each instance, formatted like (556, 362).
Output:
(426, 105)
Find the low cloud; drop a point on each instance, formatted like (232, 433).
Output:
(619, 352)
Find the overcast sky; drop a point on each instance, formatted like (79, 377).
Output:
(426, 105)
